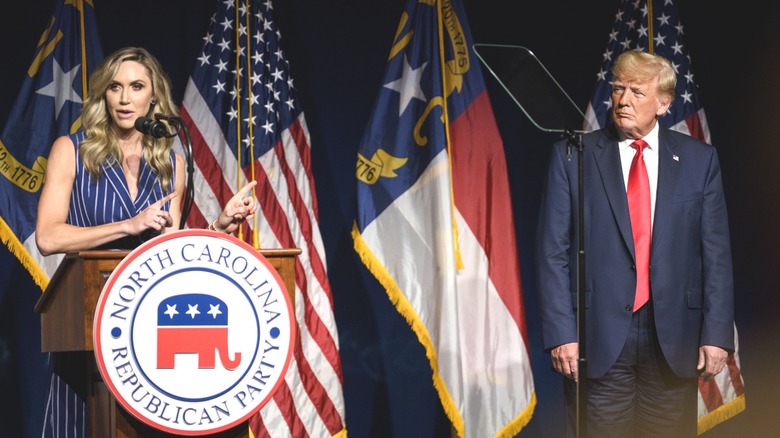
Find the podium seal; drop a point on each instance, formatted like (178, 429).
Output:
(193, 332)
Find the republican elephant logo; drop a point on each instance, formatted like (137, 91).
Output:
(194, 324)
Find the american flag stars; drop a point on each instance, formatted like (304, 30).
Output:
(630, 32)
(261, 90)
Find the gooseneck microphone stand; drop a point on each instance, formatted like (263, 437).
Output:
(177, 127)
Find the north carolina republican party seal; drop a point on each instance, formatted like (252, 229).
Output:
(193, 332)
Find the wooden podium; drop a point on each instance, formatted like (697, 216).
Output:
(67, 308)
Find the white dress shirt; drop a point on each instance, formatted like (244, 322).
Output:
(650, 155)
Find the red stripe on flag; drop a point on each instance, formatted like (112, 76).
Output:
(278, 221)
(204, 159)
(480, 185)
(299, 204)
(694, 126)
(735, 375)
(298, 134)
(710, 394)
(283, 399)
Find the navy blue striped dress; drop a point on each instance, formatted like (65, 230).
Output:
(94, 201)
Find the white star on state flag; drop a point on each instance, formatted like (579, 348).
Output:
(61, 87)
(408, 85)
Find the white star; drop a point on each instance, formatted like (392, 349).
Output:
(660, 40)
(227, 24)
(61, 87)
(171, 310)
(214, 310)
(193, 310)
(277, 74)
(256, 78)
(258, 57)
(221, 66)
(225, 45)
(408, 85)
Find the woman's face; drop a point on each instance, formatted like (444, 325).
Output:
(129, 95)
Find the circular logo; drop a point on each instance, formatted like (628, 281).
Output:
(193, 332)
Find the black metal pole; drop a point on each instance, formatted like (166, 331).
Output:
(582, 362)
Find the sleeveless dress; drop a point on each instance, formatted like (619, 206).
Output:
(98, 201)
(95, 201)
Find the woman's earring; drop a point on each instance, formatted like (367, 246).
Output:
(154, 102)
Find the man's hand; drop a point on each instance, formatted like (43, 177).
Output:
(564, 359)
(711, 361)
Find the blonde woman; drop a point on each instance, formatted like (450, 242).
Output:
(109, 185)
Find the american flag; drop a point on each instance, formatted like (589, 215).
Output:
(243, 115)
(724, 396)
(435, 225)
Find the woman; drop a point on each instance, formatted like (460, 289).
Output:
(110, 186)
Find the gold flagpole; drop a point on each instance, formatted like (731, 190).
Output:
(650, 26)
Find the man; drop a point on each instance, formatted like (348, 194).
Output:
(659, 312)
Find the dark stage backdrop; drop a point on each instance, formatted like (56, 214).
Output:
(337, 50)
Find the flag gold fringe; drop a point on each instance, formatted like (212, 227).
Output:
(412, 318)
(8, 237)
(721, 414)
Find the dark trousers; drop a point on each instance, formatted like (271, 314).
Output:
(640, 396)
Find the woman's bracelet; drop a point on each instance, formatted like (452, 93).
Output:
(213, 227)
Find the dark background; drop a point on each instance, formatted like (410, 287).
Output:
(337, 50)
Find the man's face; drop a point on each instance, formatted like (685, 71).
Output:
(635, 106)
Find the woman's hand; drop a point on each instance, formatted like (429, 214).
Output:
(153, 217)
(238, 209)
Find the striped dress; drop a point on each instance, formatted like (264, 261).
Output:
(94, 201)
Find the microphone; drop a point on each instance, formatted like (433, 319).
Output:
(155, 128)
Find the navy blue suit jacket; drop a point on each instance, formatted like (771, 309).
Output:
(690, 263)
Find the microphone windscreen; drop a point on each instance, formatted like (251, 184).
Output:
(142, 124)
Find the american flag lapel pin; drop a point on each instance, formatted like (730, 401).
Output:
(675, 157)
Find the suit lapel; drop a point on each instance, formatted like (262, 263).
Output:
(668, 174)
(607, 157)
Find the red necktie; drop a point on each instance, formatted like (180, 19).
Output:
(638, 193)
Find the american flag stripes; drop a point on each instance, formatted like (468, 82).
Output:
(241, 109)
(724, 396)
(435, 225)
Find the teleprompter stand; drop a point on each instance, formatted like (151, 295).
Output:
(550, 109)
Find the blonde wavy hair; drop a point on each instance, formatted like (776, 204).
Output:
(101, 143)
